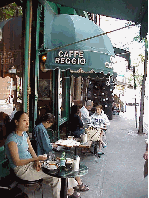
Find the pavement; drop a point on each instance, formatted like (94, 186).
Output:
(119, 172)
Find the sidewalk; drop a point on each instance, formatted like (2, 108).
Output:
(118, 173)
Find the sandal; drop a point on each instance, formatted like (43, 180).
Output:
(81, 188)
(74, 195)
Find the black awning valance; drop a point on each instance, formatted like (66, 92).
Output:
(124, 54)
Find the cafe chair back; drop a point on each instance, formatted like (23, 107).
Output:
(93, 134)
(33, 186)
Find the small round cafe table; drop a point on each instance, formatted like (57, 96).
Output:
(69, 144)
(64, 175)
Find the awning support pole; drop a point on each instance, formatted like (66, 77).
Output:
(37, 64)
(56, 81)
(26, 17)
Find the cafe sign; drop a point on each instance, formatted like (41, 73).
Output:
(74, 59)
(70, 57)
(6, 58)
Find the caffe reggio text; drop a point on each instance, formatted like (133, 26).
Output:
(70, 57)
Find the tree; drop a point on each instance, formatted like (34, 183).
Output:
(140, 130)
(138, 79)
(10, 11)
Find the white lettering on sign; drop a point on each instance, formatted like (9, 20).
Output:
(70, 57)
(59, 54)
(6, 58)
(66, 54)
(67, 60)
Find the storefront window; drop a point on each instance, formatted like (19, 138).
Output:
(11, 58)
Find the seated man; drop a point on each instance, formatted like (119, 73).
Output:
(75, 122)
(85, 113)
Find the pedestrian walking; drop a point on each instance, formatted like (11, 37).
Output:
(145, 156)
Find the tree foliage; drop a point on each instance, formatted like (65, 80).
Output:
(10, 11)
(144, 40)
(138, 79)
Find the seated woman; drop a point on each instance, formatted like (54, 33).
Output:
(40, 135)
(23, 159)
(99, 119)
(75, 122)
(45, 146)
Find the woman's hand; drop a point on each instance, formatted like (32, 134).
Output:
(37, 163)
(79, 114)
(54, 145)
(42, 157)
(37, 166)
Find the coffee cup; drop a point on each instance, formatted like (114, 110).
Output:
(70, 137)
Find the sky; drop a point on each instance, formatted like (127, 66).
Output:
(123, 39)
(120, 38)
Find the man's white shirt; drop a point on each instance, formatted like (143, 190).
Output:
(85, 116)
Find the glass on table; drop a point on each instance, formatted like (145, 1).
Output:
(51, 156)
(70, 138)
(69, 163)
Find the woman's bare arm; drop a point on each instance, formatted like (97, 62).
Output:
(31, 150)
(15, 155)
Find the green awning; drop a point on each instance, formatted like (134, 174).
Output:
(132, 10)
(70, 29)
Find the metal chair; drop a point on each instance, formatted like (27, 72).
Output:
(8, 188)
(9, 181)
(33, 186)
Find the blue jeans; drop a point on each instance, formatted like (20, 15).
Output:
(77, 133)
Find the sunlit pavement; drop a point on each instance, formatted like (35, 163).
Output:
(130, 115)
(119, 173)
